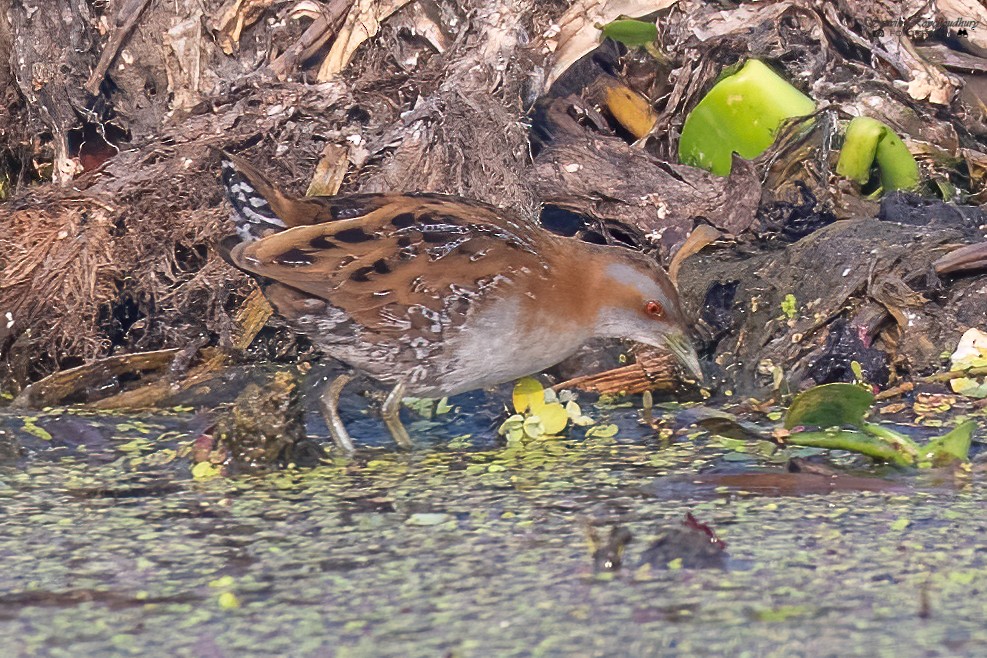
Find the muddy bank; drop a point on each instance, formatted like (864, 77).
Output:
(113, 206)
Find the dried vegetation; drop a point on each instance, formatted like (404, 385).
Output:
(110, 108)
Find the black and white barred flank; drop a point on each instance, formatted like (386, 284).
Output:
(252, 213)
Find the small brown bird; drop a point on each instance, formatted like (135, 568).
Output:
(437, 295)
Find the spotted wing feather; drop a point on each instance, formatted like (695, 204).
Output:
(408, 265)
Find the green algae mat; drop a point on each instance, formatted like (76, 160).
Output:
(110, 546)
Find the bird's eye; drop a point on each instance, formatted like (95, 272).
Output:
(654, 309)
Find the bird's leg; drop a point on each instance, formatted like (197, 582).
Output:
(329, 401)
(390, 412)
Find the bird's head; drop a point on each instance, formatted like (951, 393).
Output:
(643, 305)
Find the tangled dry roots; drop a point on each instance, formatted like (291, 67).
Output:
(60, 268)
(84, 275)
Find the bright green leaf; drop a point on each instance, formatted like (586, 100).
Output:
(830, 405)
(853, 441)
(630, 32)
(742, 114)
(869, 142)
(954, 446)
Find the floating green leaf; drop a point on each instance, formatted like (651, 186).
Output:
(514, 422)
(954, 446)
(830, 405)
(869, 142)
(31, 427)
(528, 395)
(897, 440)
(553, 417)
(533, 427)
(228, 601)
(853, 441)
(970, 353)
(630, 32)
(741, 114)
(901, 523)
(205, 471)
(576, 414)
(602, 431)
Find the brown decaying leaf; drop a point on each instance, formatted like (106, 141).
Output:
(362, 23)
(183, 62)
(316, 36)
(970, 258)
(234, 17)
(702, 236)
(329, 173)
(575, 33)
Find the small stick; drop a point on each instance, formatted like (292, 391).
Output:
(651, 371)
(125, 21)
(938, 378)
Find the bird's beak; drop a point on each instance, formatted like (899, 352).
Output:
(683, 350)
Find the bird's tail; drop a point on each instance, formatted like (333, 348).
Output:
(256, 203)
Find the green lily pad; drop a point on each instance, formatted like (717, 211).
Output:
(830, 405)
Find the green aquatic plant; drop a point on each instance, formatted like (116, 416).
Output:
(740, 114)
(538, 412)
(834, 417)
(870, 143)
(839, 410)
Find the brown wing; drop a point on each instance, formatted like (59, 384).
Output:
(397, 262)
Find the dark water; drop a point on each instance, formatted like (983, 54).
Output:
(468, 547)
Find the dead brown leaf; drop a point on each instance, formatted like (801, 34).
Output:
(576, 33)
(361, 24)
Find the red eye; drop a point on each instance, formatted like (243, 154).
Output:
(654, 309)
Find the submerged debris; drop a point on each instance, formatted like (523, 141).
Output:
(260, 429)
(690, 545)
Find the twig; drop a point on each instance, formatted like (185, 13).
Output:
(125, 21)
(651, 371)
(250, 318)
(320, 32)
(58, 386)
(938, 378)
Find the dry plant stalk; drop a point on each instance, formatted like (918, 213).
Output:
(651, 371)
(55, 388)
